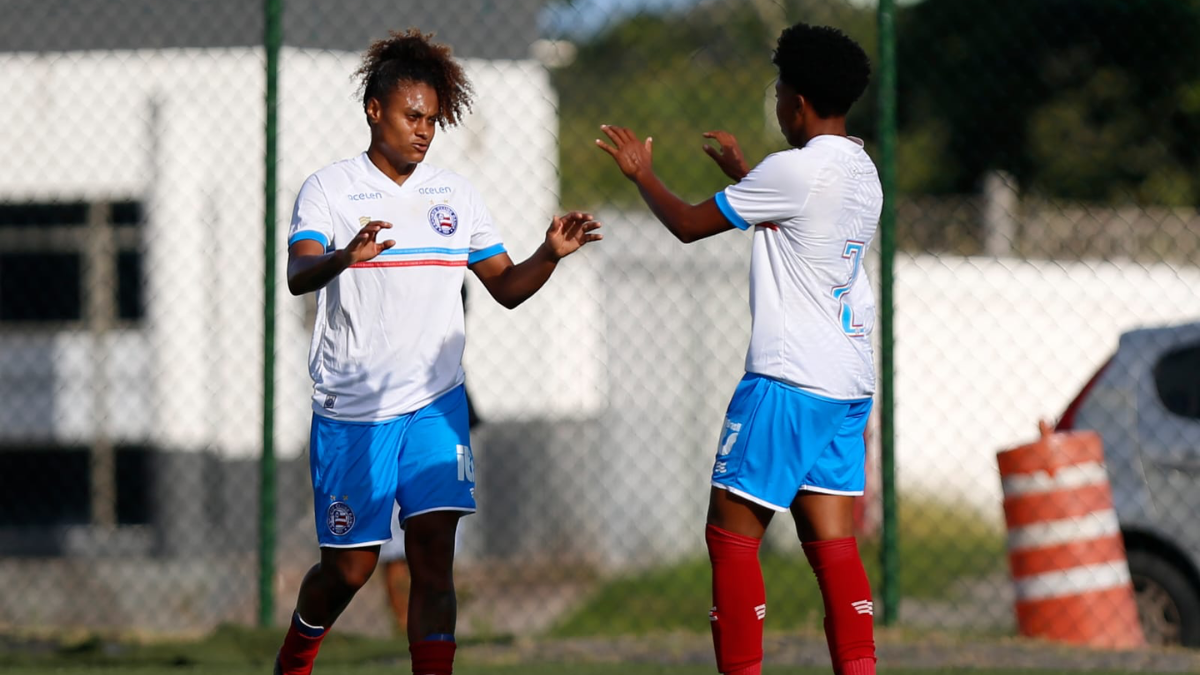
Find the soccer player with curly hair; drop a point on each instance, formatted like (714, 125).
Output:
(390, 412)
(792, 438)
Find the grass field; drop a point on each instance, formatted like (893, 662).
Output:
(538, 669)
(233, 650)
(676, 597)
(663, 635)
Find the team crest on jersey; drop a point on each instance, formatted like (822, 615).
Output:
(339, 518)
(443, 219)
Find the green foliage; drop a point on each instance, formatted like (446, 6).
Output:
(1095, 100)
(1079, 99)
(674, 77)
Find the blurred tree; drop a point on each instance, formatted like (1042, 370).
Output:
(1096, 100)
(674, 76)
(1083, 99)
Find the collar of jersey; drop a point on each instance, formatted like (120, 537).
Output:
(824, 139)
(381, 180)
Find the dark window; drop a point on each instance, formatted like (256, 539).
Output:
(133, 485)
(44, 255)
(1177, 377)
(38, 214)
(130, 305)
(126, 213)
(41, 287)
(44, 486)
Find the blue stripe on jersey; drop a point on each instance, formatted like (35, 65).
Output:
(727, 211)
(310, 234)
(433, 249)
(485, 253)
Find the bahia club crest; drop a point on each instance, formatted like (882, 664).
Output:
(443, 219)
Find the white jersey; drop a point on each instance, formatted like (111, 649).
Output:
(388, 337)
(815, 210)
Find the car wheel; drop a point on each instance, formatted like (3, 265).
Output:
(1168, 605)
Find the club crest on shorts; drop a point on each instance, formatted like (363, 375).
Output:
(339, 518)
(443, 219)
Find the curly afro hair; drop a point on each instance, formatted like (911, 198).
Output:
(823, 65)
(412, 56)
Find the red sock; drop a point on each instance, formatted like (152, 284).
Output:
(739, 601)
(849, 612)
(432, 657)
(299, 649)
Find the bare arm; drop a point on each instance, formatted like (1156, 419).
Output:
(310, 267)
(513, 284)
(688, 222)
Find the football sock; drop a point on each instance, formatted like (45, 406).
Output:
(300, 647)
(849, 611)
(434, 655)
(739, 601)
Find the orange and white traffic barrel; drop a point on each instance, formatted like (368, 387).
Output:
(1064, 544)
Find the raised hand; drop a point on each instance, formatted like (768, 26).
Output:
(570, 232)
(728, 156)
(363, 246)
(632, 155)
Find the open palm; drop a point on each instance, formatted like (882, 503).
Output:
(568, 233)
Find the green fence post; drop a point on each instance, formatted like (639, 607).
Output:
(266, 521)
(889, 553)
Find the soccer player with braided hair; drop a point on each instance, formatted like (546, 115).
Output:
(792, 438)
(383, 239)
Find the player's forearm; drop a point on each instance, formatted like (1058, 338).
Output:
(522, 280)
(670, 210)
(312, 272)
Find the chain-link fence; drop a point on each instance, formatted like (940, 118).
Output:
(1046, 171)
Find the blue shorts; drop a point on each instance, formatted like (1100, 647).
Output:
(779, 440)
(421, 461)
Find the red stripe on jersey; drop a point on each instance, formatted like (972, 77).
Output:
(769, 226)
(412, 263)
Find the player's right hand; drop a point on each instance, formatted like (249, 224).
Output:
(633, 156)
(363, 246)
(728, 156)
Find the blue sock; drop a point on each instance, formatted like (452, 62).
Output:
(440, 637)
(305, 629)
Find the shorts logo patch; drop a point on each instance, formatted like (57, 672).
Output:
(466, 465)
(732, 429)
(443, 219)
(339, 518)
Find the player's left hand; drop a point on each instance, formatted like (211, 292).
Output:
(570, 232)
(632, 155)
(728, 154)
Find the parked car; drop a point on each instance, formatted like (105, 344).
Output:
(1145, 404)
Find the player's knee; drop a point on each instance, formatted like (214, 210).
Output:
(351, 574)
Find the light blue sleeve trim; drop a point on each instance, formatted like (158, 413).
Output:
(727, 211)
(309, 234)
(485, 253)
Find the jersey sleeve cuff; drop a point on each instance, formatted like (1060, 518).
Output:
(727, 211)
(485, 253)
(309, 234)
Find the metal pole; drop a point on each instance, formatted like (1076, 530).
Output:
(889, 551)
(101, 265)
(266, 541)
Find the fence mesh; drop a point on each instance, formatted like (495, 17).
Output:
(1047, 180)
